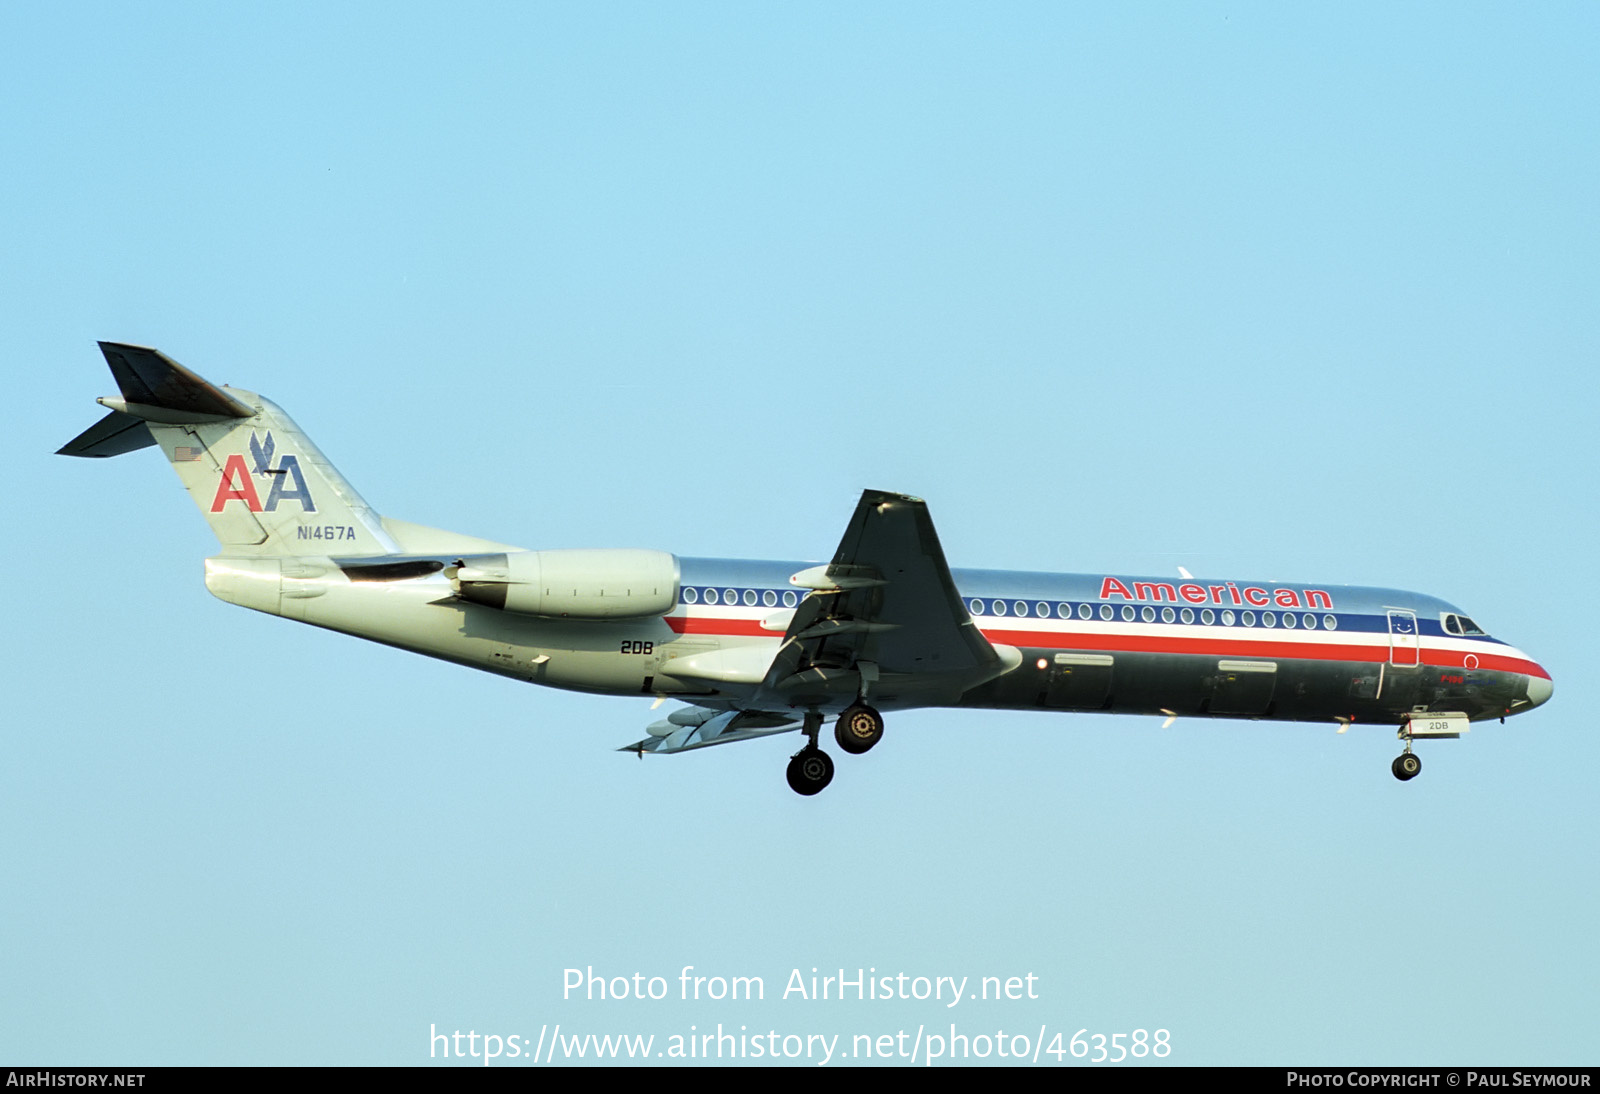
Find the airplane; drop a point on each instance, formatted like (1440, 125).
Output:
(762, 648)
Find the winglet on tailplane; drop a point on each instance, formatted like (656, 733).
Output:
(261, 484)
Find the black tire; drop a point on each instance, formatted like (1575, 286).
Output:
(858, 729)
(1406, 766)
(810, 771)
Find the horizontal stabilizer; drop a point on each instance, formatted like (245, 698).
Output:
(150, 378)
(112, 435)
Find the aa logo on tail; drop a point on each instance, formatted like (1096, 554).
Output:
(237, 483)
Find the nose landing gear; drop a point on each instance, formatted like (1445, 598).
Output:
(1437, 724)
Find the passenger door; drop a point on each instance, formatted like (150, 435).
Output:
(1405, 647)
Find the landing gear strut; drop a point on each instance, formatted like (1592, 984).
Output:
(858, 729)
(811, 769)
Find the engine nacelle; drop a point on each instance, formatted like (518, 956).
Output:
(577, 584)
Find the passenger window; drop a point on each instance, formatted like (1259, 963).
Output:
(1085, 611)
(1288, 619)
(790, 598)
(1105, 612)
(1269, 619)
(711, 596)
(1021, 609)
(1167, 615)
(1310, 621)
(975, 606)
(1187, 615)
(1247, 618)
(750, 598)
(1064, 611)
(1227, 617)
(1128, 614)
(998, 607)
(1042, 610)
(690, 596)
(769, 598)
(1330, 623)
(1207, 616)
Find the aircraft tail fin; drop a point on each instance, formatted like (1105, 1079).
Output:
(261, 484)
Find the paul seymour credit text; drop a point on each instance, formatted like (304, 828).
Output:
(926, 1043)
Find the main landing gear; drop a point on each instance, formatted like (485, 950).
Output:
(811, 769)
(858, 729)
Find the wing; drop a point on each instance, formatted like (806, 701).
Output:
(701, 727)
(883, 620)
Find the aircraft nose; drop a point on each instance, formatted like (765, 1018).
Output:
(1540, 689)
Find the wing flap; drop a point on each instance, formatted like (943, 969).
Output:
(699, 727)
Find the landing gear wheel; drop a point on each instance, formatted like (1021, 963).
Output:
(810, 771)
(1406, 766)
(858, 729)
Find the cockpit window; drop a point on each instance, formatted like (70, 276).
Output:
(1460, 624)
(1469, 627)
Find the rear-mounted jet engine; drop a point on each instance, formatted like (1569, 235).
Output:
(575, 584)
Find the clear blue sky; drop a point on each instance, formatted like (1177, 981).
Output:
(1304, 292)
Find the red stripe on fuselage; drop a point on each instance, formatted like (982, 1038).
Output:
(1277, 649)
(700, 624)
